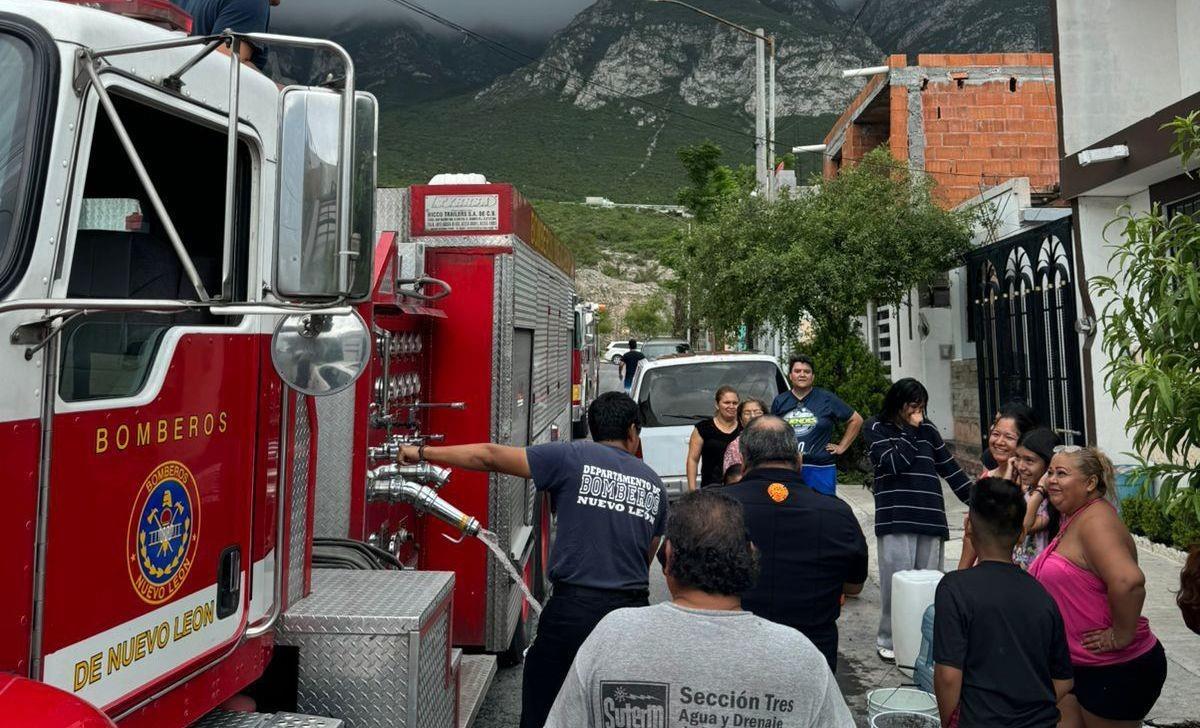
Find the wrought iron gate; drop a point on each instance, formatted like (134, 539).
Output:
(1023, 311)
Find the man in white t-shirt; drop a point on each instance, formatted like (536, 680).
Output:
(700, 659)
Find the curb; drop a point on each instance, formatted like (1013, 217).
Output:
(1171, 554)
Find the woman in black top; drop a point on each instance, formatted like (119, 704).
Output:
(706, 449)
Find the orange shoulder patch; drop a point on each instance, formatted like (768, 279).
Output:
(778, 492)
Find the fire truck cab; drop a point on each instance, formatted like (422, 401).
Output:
(183, 244)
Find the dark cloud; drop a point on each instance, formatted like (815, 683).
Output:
(532, 18)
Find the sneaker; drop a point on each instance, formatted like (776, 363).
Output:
(887, 655)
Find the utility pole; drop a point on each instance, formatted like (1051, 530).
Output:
(764, 98)
(770, 118)
(760, 115)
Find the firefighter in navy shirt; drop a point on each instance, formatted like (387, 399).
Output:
(812, 413)
(611, 511)
(210, 17)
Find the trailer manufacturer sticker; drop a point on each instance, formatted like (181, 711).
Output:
(163, 529)
(462, 212)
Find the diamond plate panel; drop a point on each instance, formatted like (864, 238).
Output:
(229, 719)
(363, 678)
(474, 678)
(361, 652)
(302, 436)
(391, 211)
(335, 452)
(367, 602)
(435, 690)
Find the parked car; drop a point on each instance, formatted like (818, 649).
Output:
(655, 348)
(615, 350)
(675, 392)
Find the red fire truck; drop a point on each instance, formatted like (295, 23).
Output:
(201, 497)
(585, 365)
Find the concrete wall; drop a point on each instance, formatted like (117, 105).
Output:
(1094, 214)
(1145, 48)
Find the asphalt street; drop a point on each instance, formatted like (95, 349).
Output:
(860, 670)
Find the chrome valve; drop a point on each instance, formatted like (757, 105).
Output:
(423, 498)
(423, 473)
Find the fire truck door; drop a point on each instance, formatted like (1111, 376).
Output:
(151, 481)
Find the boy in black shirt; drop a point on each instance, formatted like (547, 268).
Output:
(999, 647)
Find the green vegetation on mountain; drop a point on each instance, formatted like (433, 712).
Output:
(554, 150)
(590, 232)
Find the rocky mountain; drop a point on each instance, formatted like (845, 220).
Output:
(959, 26)
(402, 63)
(601, 107)
(622, 50)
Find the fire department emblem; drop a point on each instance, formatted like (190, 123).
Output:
(778, 492)
(163, 529)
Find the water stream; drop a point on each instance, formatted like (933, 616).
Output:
(490, 540)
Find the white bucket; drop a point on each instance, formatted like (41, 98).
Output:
(905, 700)
(912, 593)
(901, 719)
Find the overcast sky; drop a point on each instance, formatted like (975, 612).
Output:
(532, 18)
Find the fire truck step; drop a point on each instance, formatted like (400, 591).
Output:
(474, 679)
(230, 719)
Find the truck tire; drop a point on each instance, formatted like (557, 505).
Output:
(579, 430)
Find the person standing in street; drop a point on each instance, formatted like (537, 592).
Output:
(700, 659)
(629, 364)
(710, 438)
(1091, 571)
(999, 649)
(812, 413)
(810, 545)
(748, 410)
(909, 460)
(601, 553)
(210, 17)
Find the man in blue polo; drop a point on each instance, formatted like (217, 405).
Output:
(812, 413)
(210, 17)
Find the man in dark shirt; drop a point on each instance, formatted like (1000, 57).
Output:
(629, 363)
(812, 413)
(811, 547)
(999, 647)
(611, 511)
(210, 17)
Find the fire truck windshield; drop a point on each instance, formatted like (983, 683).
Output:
(17, 78)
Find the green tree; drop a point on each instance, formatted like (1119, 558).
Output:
(1151, 326)
(646, 319)
(871, 233)
(604, 323)
(709, 181)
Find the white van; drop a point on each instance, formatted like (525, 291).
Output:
(675, 392)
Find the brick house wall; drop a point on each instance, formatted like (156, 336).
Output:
(970, 121)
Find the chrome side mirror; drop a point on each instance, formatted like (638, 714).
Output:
(317, 354)
(325, 237)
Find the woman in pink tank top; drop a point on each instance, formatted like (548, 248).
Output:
(1091, 571)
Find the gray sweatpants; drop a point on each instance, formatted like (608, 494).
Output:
(899, 552)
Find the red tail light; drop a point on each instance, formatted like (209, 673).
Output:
(576, 377)
(162, 13)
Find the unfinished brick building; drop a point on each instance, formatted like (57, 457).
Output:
(969, 120)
